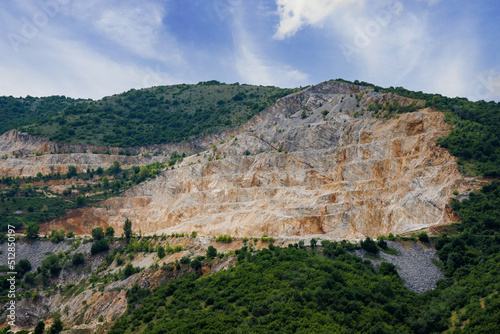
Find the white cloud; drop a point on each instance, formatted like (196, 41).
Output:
(391, 44)
(62, 67)
(253, 67)
(60, 59)
(294, 14)
(136, 26)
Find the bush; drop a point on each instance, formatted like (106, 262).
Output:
(99, 246)
(129, 270)
(32, 230)
(211, 252)
(369, 245)
(22, 267)
(160, 251)
(78, 259)
(110, 232)
(52, 264)
(40, 328)
(224, 238)
(423, 237)
(98, 233)
(57, 236)
(382, 244)
(80, 201)
(387, 268)
(196, 264)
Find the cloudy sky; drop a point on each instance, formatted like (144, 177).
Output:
(94, 48)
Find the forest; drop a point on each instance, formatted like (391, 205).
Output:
(163, 114)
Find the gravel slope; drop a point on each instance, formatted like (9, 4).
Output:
(413, 264)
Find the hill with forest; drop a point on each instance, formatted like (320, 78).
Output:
(301, 217)
(163, 114)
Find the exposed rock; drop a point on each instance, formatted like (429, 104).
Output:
(413, 263)
(337, 175)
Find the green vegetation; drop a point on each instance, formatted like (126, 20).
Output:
(280, 290)
(98, 233)
(140, 117)
(18, 112)
(211, 252)
(224, 238)
(29, 200)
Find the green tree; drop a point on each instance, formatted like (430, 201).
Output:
(22, 267)
(80, 201)
(40, 328)
(387, 268)
(382, 244)
(57, 325)
(99, 246)
(129, 270)
(115, 168)
(105, 182)
(422, 236)
(71, 172)
(369, 245)
(211, 252)
(127, 229)
(196, 264)
(98, 233)
(160, 251)
(143, 173)
(57, 236)
(110, 232)
(78, 259)
(32, 230)
(313, 243)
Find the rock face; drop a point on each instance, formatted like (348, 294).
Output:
(294, 171)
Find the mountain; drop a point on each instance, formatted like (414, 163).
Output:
(316, 163)
(259, 226)
(163, 114)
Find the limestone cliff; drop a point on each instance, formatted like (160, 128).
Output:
(294, 171)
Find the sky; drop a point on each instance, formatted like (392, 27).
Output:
(96, 48)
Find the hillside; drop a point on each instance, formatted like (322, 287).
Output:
(163, 114)
(263, 227)
(316, 163)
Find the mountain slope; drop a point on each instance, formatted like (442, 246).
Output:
(163, 114)
(297, 170)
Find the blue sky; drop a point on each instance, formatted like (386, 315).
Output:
(94, 48)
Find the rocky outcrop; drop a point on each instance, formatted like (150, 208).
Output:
(294, 171)
(59, 163)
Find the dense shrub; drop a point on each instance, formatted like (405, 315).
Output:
(99, 246)
(369, 245)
